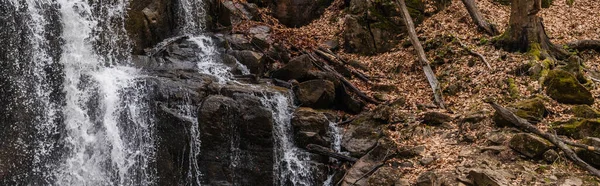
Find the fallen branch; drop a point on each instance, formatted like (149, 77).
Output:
(437, 92)
(318, 149)
(473, 53)
(331, 58)
(326, 68)
(585, 45)
(525, 125)
(478, 18)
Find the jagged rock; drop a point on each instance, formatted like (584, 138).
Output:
(375, 26)
(585, 111)
(369, 162)
(529, 145)
(488, 177)
(578, 128)
(428, 178)
(149, 22)
(409, 152)
(234, 12)
(361, 135)
(240, 123)
(563, 87)
(436, 118)
(310, 126)
(252, 60)
(297, 13)
(589, 156)
(315, 93)
(297, 68)
(533, 110)
(238, 42)
(385, 176)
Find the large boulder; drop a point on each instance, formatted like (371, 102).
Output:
(578, 128)
(533, 110)
(252, 60)
(149, 22)
(563, 87)
(240, 132)
(362, 134)
(297, 13)
(585, 111)
(530, 145)
(316, 93)
(488, 177)
(310, 127)
(297, 68)
(381, 28)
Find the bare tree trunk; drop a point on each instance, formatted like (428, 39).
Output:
(437, 92)
(526, 31)
(489, 28)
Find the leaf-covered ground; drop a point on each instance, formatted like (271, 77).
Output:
(470, 79)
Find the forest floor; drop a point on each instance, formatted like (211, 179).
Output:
(400, 68)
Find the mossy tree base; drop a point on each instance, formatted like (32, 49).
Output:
(526, 32)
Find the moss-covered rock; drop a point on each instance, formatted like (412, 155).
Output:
(533, 110)
(585, 111)
(588, 156)
(530, 145)
(563, 87)
(578, 128)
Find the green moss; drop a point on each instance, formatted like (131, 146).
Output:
(513, 90)
(585, 111)
(535, 50)
(546, 3)
(565, 88)
(533, 110)
(483, 41)
(578, 128)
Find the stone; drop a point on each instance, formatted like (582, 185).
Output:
(533, 110)
(148, 22)
(436, 118)
(370, 161)
(550, 156)
(427, 161)
(529, 145)
(310, 127)
(385, 176)
(563, 87)
(475, 117)
(297, 13)
(297, 68)
(252, 60)
(373, 26)
(585, 111)
(428, 178)
(361, 135)
(487, 177)
(238, 42)
(407, 164)
(572, 182)
(578, 128)
(316, 93)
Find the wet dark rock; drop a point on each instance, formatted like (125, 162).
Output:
(436, 118)
(254, 61)
(530, 145)
(238, 42)
(150, 22)
(316, 93)
(310, 127)
(297, 68)
(563, 87)
(533, 110)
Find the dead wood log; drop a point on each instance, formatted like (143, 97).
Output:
(523, 124)
(585, 45)
(331, 58)
(489, 28)
(473, 53)
(326, 68)
(437, 92)
(318, 149)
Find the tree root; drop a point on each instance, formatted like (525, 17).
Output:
(585, 45)
(523, 124)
